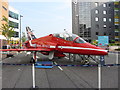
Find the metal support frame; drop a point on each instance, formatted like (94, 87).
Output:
(86, 59)
(34, 57)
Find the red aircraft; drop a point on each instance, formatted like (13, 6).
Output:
(55, 45)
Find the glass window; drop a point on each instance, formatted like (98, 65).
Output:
(79, 40)
(104, 12)
(16, 34)
(13, 15)
(116, 20)
(104, 19)
(14, 24)
(75, 2)
(96, 4)
(97, 33)
(116, 6)
(96, 19)
(116, 34)
(110, 19)
(110, 27)
(70, 37)
(104, 33)
(116, 13)
(109, 5)
(104, 26)
(104, 5)
(116, 27)
(116, 39)
(4, 8)
(96, 11)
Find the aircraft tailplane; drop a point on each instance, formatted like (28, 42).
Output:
(30, 34)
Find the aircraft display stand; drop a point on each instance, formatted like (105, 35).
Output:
(44, 64)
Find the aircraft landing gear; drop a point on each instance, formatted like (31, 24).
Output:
(60, 57)
(34, 58)
(84, 62)
(85, 59)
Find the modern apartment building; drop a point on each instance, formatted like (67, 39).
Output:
(3, 12)
(93, 19)
(81, 18)
(103, 21)
(13, 17)
(14, 22)
(117, 21)
(106, 21)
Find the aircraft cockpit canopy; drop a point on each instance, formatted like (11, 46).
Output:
(70, 37)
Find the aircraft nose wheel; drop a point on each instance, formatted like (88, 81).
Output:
(86, 62)
(32, 60)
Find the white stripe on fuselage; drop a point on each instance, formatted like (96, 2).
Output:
(67, 47)
(52, 46)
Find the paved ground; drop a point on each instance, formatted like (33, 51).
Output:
(69, 77)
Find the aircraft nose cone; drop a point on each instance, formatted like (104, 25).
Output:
(102, 51)
(105, 52)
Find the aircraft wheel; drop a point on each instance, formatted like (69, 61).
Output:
(60, 57)
(86, 62)
(32, 60)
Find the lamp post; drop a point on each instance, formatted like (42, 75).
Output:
(20, 32)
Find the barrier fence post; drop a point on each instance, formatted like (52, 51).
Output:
(102, 63)
(99, 77)
(33, 74)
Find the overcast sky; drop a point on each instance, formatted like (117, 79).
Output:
(45, 17)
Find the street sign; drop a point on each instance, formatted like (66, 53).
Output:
(103, 40)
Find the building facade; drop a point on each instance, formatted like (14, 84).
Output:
(96, 19)
(13, 17)
(103, 21)
(85, 19)
(3, 12)
(81, 18)
(106, 21)
(14, 22)
(117, 21)
(75, 17)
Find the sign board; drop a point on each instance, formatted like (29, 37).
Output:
(103, 40)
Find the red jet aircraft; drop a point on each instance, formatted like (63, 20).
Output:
(55, 45)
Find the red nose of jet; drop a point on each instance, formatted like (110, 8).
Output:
(97, 50)
(104, 52)
(101, 51)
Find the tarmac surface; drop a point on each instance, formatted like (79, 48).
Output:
(58, 77)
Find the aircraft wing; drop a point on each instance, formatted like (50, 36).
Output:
(34, 49)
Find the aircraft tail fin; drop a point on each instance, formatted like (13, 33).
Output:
(30, 34)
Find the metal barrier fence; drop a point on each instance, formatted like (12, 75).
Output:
(59, 65)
